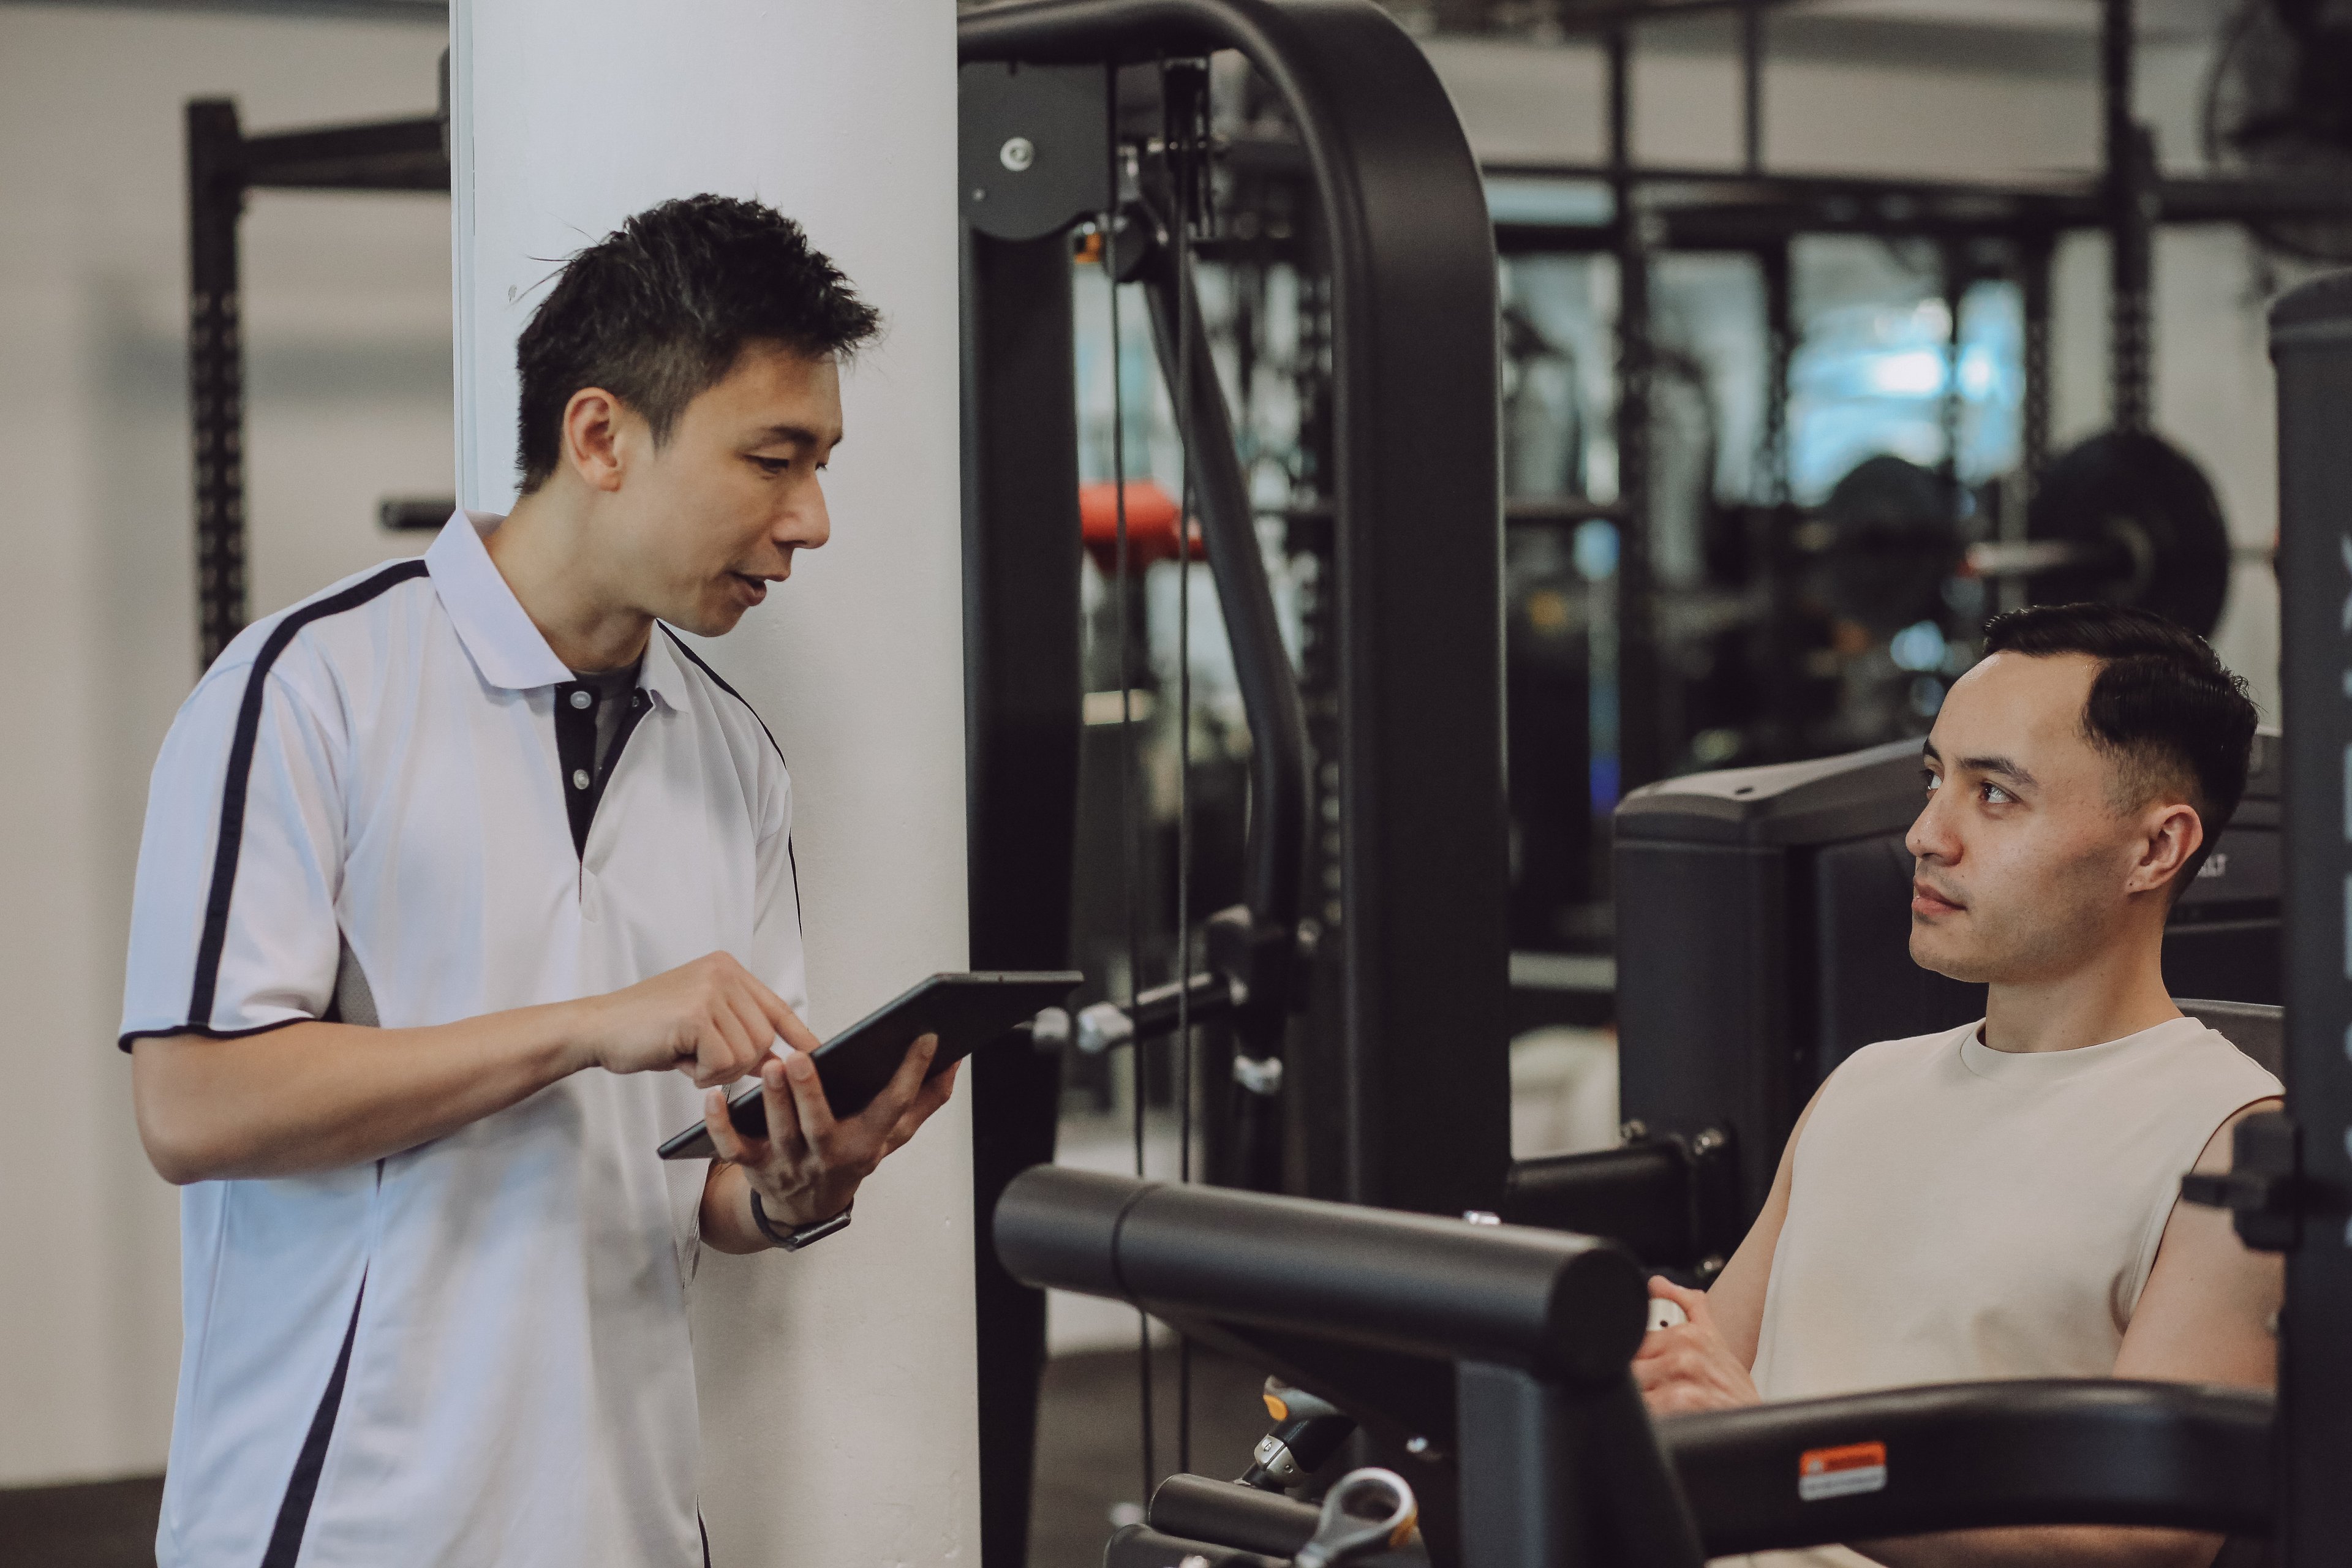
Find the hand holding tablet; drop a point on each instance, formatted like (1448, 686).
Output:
(965, 1011)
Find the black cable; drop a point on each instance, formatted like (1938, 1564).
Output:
(1134, 875)
(1181, 146)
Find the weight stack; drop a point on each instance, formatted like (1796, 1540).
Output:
(1764, 927)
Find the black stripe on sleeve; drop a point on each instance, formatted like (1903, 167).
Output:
(240, 774)
(701, 664)
(302, 1485)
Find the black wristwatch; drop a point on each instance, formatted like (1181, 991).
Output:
(794, 1240)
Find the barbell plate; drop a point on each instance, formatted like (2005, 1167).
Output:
(1888, 540)
(2144, 523)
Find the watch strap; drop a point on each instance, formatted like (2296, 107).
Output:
(792, 1240)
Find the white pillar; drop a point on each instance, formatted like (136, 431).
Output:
(837, 1384)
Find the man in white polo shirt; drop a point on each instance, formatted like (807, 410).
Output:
(465, 883)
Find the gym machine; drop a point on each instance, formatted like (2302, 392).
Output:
(1497, 1356)
(1498, 1349)
(1406, 990)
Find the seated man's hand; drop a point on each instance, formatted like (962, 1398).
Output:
(808, 1167)
(1689, 1366)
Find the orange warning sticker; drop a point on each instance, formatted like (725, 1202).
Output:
(1823, 1473)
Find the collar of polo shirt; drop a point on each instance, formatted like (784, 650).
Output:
(496, 631)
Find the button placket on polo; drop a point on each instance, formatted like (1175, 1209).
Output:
(575, 752)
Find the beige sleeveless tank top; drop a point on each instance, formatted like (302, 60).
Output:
(1960, 1213)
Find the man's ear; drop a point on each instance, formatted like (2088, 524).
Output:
(595, 439)
(2170, 832)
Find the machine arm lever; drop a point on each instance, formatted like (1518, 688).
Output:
(1107, 1024)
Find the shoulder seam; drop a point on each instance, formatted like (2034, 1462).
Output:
(202, 993)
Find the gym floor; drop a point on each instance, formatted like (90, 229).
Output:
(1089, 1462)
(1089, 1442)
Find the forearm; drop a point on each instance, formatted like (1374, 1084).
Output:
(316, 1096)
(2048, 1546)
(727, 1211)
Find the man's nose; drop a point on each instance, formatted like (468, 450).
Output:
(1930, 836)
(808, 525)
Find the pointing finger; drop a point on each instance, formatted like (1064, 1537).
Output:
(786, 1023)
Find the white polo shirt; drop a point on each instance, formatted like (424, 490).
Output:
(474, 1351)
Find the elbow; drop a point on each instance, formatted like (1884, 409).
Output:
(177, 1143)
(177, 1157)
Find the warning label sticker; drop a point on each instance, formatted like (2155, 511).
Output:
(1823, 1473)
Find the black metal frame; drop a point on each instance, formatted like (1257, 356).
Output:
(2311, 342)
(1746, 208)
(223, 163)
(1417, 966)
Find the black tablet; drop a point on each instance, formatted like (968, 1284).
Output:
(965, 1011)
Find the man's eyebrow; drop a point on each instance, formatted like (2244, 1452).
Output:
(2000, 767)
(800, 433)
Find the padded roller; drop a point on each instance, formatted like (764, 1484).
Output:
(1556, 1304)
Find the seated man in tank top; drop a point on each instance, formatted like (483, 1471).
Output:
(1999, 1200)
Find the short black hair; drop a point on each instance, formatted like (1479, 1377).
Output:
(2162, 704)
(657, 311)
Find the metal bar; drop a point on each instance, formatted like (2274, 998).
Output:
(1640, 745)
(1021, 708)
(1276, 852)
(1920, 206)
(1775, 520)
(216, 371)
(1401, 217)
(1954, 274)
(384, 156)
(1609, 18)
(2127, 158)
(1751, 86)
(2036, 257)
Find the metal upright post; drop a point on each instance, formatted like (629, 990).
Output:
(1641, 747)
(2311, 342)
(1751, 86)
(2036, 256)
(1775, 519)
(1022, 722)
(2130, 163)
(217, 371)
(1954, 273)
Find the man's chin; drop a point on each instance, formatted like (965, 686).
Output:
(1938, 956)
(709, 620)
